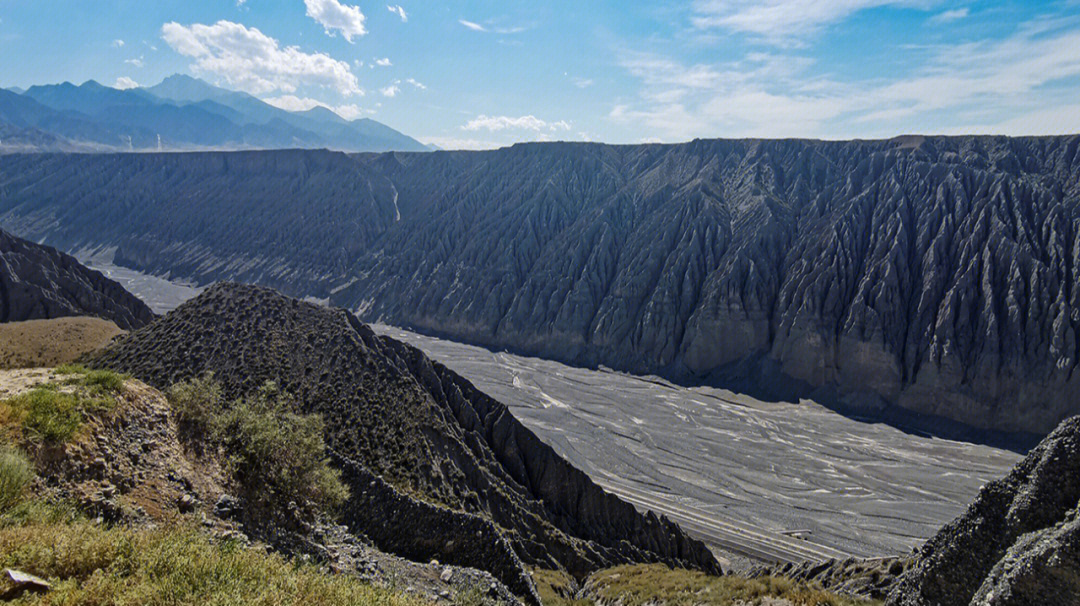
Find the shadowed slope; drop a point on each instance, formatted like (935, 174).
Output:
(398, 415)
(40, 283)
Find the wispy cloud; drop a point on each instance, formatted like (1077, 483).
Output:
(453, 143)
(390, 91)
(135, 62)
(333, 15)
(124, 83)
(397, 10)
(293, 103)
(779, 96)
(118, 43)
(784, 20)
(416, 83)
(498, 123)
(583, 82)
(476, 27)
(250, 60)
(490, 28)
(384, 62)
(950, 16)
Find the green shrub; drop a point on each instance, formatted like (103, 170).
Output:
(46, 413)
(15, 474)
(277, 454)
(197, 403)
(105, 380)
(71, 369)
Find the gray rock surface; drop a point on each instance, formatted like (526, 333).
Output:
(937, 274)
(397, 417)
(1017, 544)
(40, 283)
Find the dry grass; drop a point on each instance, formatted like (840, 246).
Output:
(658, 585)
(52, 412)
(37, 343)
(92, 564)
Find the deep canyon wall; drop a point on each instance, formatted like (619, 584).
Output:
(938, 274)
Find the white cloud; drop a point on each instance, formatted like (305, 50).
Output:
(293, 103)
(384, 62)
(333, 15)
(498, 123)
(124, 83)
(454, 143)
(400, 12)
(118, 43)
(136, 62)
(254, 62)
(783, 19)
(415, 83)
(583, 82)
(476, 27)
(767, 95)
(390, 91)
(950, 16)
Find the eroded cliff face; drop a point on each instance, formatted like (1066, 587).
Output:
(937, 274)
(42, 283)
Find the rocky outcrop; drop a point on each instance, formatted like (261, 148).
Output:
(1017, 544)
(425, 431)
(39, 282)
(380, 512)
(935, 274)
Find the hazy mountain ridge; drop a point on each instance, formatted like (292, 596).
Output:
(180, 113)
(934, 273)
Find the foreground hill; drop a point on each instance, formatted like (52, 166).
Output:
(435, 468)
(934, 274)
(39, 282)
(1018, 543)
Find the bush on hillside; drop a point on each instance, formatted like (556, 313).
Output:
(278, 454)
(274, 453)
(196, 404)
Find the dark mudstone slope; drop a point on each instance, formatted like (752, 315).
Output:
(1018, 544)
(40, 282)
(937, 274)
(426, 431)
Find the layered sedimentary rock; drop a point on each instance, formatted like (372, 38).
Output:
(1017, 544)
(457, 465)
(937, 274)
(42, 283)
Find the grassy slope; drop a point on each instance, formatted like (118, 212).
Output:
(658, 585)
(90, 563)
(38, 343)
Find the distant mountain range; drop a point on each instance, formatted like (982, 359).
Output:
(180, 113)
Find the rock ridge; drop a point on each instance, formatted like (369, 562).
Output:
(397, 416)
(934, 274)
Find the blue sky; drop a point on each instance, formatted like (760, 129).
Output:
(485, 73)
